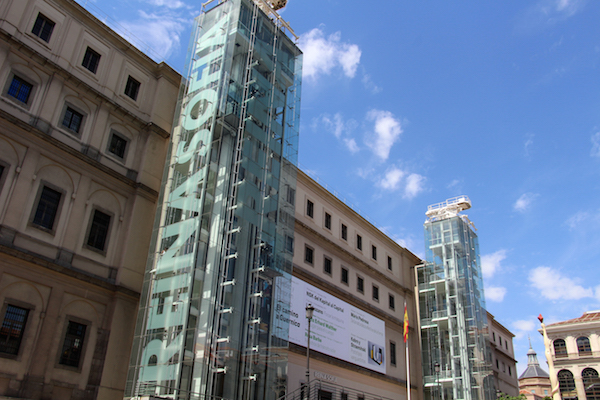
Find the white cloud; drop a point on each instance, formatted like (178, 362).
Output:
(555, 286)
(455, 183)
(392, 179)
(568, 7)
(524, 202)
(490, 263)
(322, 55)
(341, 129)
(159, 32)
(576, 220)
(546, 13)
(528, 144)
(495, 294)
(525, 325)
(370, 85)
(336, 124)
(595, 151)
(167, 3)
(351, 145)
(414, 185)
(387, 131)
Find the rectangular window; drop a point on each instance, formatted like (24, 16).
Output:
(327, 220)
(117, 145)
(289, 244)
(73, 344)
(344, 275)
(494, 336)
(359, 242)
(47, 208)
(344, 396)
(43, 27)
(308, 255)
(344, 232)
(13, 327)
(497, 364)
(509, 371)
(375, 293)
(132, 88)
(392, 353)
(360, 284)
(290, 195)
(98, 230)
(91, 59)
(310, 208)
(392, 302)
(327, 265)
(72, 120)
(20, 89)
(374, 252)
(389, 263)
(161, 305)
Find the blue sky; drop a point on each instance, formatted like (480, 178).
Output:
(406, 104)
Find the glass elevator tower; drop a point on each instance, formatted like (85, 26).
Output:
(223, 237)
(454, 331)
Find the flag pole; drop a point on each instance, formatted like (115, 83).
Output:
(406, 345)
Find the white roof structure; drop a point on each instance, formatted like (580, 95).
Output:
(448, 209)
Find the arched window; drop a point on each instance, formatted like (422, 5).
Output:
(560, 348)
(153, 360)
(591, 383)
(583, 346)
(566, 384)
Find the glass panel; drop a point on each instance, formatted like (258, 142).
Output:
(220, 266)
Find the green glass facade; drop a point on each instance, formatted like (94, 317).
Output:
(223, 238)
(455, 348)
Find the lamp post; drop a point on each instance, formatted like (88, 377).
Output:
(436, 368)
(309, 315)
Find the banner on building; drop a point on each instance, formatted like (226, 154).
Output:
(337, 329)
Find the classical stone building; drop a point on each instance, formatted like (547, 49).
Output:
(504, 364)
(341, 261)
(85, 120)
(576, 356)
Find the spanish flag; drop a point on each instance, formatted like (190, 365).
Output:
(405, 323)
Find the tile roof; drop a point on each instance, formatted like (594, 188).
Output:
(588, 316)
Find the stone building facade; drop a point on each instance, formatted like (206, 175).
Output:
(85, 120)
(342, 256)
(504, 364)
(576, 356)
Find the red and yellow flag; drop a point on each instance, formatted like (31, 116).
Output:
(405, 323)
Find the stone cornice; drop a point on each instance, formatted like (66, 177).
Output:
(70, 272)
(142, 189)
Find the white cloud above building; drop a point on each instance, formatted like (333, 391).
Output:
(524, 202)
(553, 285)
(323, 55)
(490, 263)
(386, 132)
